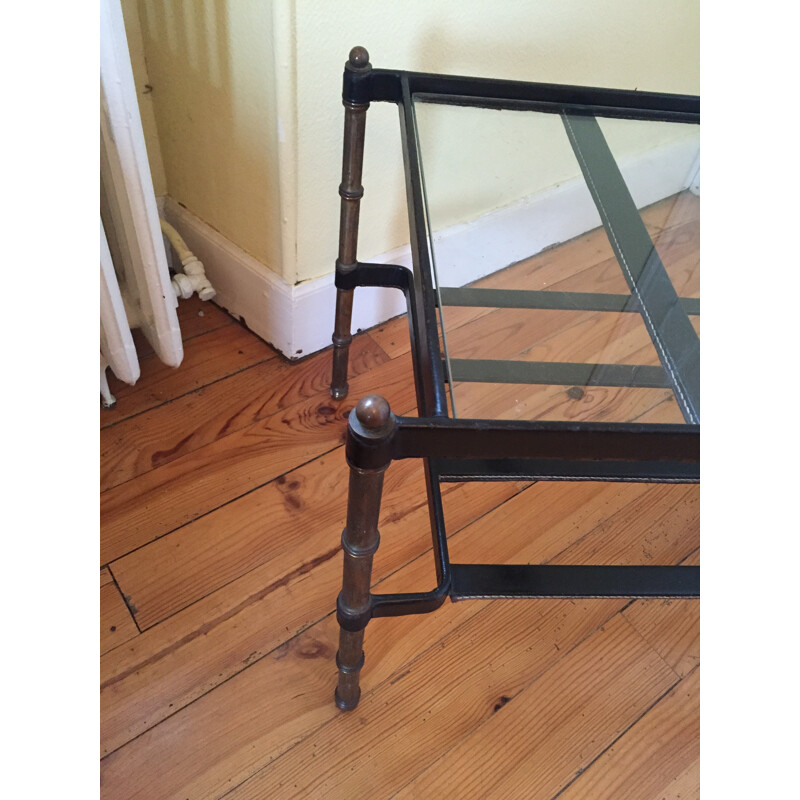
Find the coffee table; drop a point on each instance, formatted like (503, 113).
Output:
(527, 366)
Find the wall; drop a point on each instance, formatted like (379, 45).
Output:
(247, 102)
(622, 44)
(212, 68)
(476, 160)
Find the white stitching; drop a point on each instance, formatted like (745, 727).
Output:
(567, 597)
(452, 477)
(656, 339)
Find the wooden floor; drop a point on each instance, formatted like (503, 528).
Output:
(223, 500)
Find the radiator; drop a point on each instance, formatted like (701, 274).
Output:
(135, 285)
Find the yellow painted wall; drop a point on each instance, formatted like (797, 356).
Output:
(625, 44)
(247, 97)
(476, 160)
(211, 67)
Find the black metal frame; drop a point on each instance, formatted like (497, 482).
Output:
(459, 450)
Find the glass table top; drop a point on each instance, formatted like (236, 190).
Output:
(566, 263)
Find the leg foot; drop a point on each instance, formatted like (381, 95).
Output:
(341, 343)
(346, 705)
(339, 394)
(348, 691)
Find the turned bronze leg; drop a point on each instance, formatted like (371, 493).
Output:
(370, 424)
(341, 342)
(351, 191)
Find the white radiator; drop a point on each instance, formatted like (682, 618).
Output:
(135, 287)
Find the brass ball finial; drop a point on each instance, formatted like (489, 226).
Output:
(359, 58)
(373, 412)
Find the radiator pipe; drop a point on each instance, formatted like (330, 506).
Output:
(193, 278)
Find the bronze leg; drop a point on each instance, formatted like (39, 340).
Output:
(351, 191)
(370, 423)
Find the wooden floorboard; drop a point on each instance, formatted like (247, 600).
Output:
(205, 643)
(538, 738)
(195, 318)
(159, 435)
(223, 488)
(633, 768)
(206, 359)
(116, 623)
(671, 628)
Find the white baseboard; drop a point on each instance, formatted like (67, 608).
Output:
(510, 234)
(298, 320)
